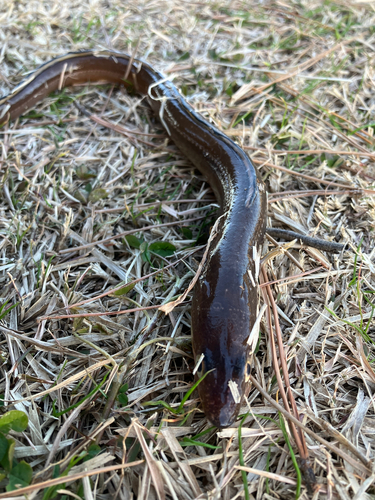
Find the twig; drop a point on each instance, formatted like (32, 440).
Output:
(310, 152)
(311, 178)
(297, 434)
(127, 233)
(328, 246)
(67, 479)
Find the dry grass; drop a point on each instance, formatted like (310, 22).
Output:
(277, 77)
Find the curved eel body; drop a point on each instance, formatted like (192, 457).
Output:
(225, 297)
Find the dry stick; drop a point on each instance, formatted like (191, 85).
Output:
(293, 14)
(60, 385)
(115, 386)
(313, 192)
(104, 313)
(122, 130)
(320, 192)
(157, 203)
(291, 257)
(156, 476)
(368, 463)
(313, 105)
(168, 308)
(328, 246)
(340, 117)
(92, 128)
(344, 137)
(131, 60)
(112, 126)
(105, 123)
(310, 152)
(134, 282)
(283, 357)
(311, 178)
(62, 430)
(290, 278)
(269, 475)
(298, 436)
(301, 67)
(67, 479)
(126, 233)
(304, 99)
(74, 452)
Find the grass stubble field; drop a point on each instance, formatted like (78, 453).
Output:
(109, 393)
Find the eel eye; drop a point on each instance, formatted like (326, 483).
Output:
(247, 371)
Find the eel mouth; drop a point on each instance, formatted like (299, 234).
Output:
(220, 405)
(222, 416)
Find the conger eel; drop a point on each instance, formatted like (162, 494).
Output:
(225, 298)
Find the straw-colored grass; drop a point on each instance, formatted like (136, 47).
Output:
(291, 82)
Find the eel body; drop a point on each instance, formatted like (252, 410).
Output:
(225, 298)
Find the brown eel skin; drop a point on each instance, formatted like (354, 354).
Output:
(225, 297)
